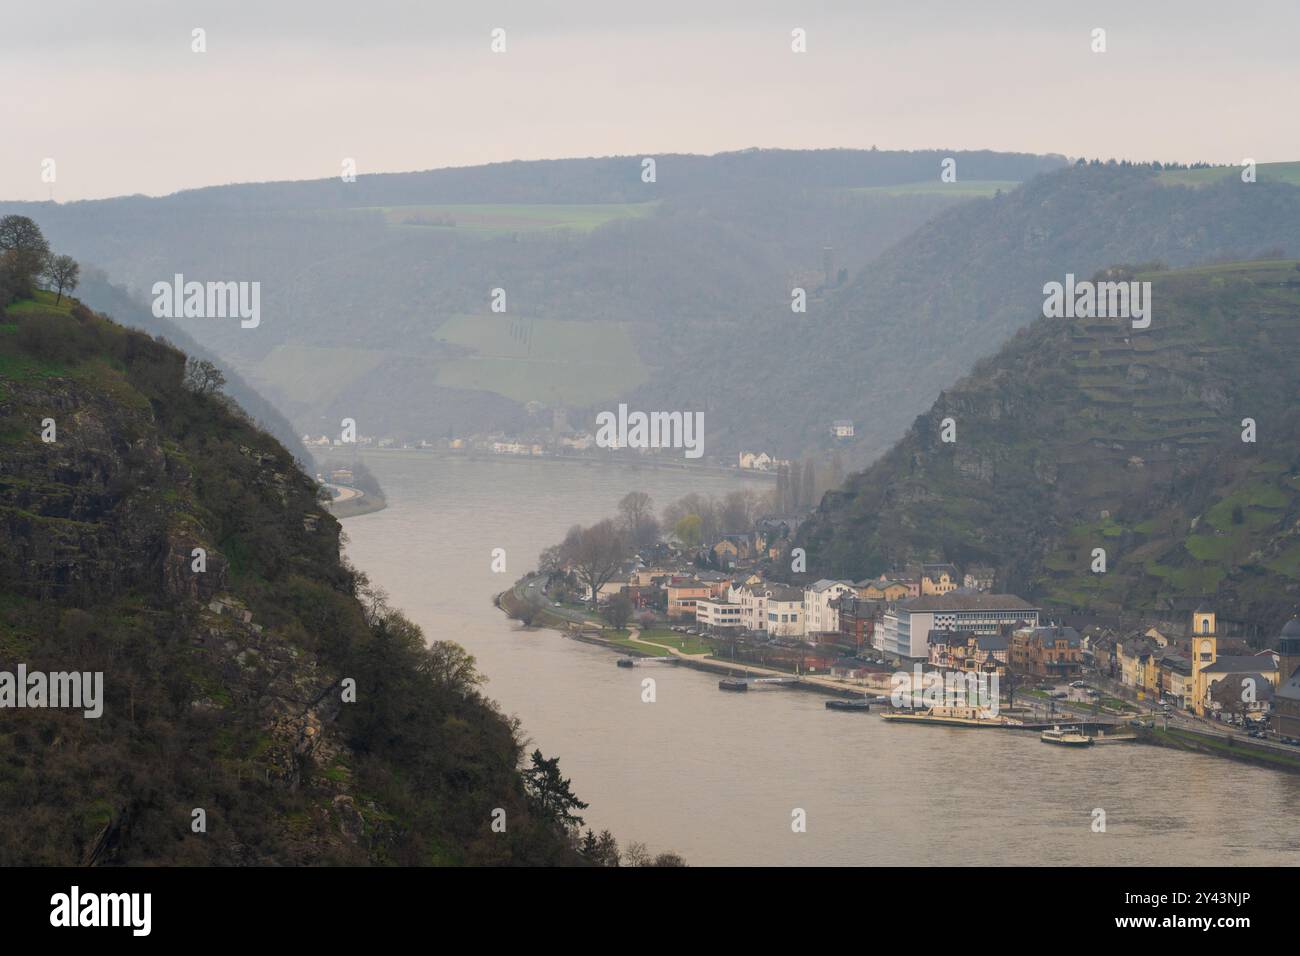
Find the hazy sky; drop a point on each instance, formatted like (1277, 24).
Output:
(112, 92)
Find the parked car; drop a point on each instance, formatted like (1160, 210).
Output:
(1093, 693)
(1078, 683)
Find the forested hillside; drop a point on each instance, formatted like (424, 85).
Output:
(1090, 434)
(149, 532)
(918, 317)
(611, 281)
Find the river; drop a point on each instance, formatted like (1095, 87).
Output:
(717, 776)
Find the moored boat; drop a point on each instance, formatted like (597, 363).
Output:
(841, 704)
(732, 683)
(958, 716)
(1066, 737)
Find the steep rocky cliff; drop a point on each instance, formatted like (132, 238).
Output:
(261, 704)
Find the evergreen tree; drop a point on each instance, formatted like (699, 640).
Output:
(551, 792)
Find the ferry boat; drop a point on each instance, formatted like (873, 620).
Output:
(1066, 737)
(854, 704)
(732, 683)
(958, 716)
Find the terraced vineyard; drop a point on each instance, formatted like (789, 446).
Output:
(1090, 434)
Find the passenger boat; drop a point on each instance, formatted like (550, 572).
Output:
(841, 704)
(958, 716)
(1066, 737)
(626, 662)
(732, 683)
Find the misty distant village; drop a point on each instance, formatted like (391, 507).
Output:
(560, 439)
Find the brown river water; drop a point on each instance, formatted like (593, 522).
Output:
(717, 776)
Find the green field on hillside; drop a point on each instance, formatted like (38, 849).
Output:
(313, 375)
(494, 219)
(1264, 172)
(962, 189)
(42, 302)
(548, 360)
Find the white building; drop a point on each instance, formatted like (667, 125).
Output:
(717, 614)
(907, 627)
(818, 614)
(784, 611)
(753, 606)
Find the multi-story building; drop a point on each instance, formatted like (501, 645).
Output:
(883, 589)
(819, 611)
(753, 606)
(1286, 699)
(784, 611)
(717, 615)
(907, 627)
(1138, 657)
(1176, 680)
(938, 579)
(857, 620)
(1241, 694)
(683, 596)
(1049, 651)
(970, 651)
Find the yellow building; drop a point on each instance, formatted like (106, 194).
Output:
(938, 579)
(1139, 663)
(882, 590)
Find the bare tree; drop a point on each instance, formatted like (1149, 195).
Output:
(202, 377)
(62, 272)
(551, 561)
(637, 510)
(737, 512)
(636, 854)
(597, 554)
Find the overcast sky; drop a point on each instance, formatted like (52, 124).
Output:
(112, 92)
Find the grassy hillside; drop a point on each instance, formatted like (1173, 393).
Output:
(224, 686)
(1090, 434)
(1264, 173)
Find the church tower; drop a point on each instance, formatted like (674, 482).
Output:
(1205, 651)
